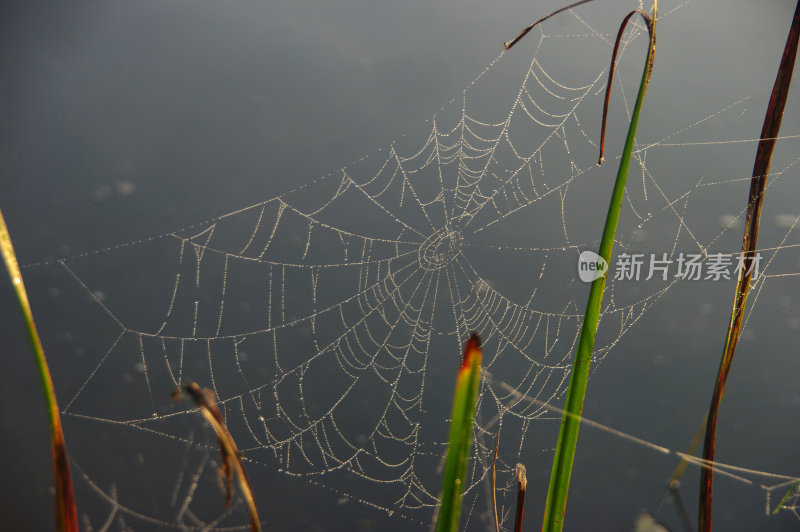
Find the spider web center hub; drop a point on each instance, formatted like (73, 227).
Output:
(440, 248)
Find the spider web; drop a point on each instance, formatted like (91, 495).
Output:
(328, 320)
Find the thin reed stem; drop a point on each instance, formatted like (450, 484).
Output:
(758, 185)
(522, 487)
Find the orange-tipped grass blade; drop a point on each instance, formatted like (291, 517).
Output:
(458, 448)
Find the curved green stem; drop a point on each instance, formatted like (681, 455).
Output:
(570, 421)
(576, 393)
(66, 512)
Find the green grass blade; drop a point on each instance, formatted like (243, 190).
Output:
(570, 422)
(66, 512)
(455, 467)
(785, 498)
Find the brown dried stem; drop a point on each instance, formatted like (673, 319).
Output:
(494, 482)
(758, 184)
(649, 22)
(231, 459)
(522, 486)
(524, 32)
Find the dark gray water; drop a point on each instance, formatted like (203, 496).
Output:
(128, 121)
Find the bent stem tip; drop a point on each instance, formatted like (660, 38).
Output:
(230, 457)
